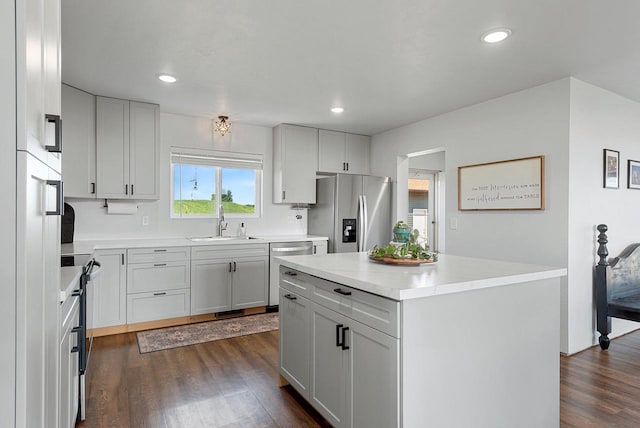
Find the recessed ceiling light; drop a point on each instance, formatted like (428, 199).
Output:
(167, 78)
(337, 110)
(497, 35)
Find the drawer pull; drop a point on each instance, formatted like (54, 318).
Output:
(164, 250)
(290, 297)
(338, 343)
(341, 291)
(160, 264)
(344, 341)
(290, 273)
(160, 294)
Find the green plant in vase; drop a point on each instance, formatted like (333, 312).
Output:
(401, 231)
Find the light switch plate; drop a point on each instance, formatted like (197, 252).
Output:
(453, 223)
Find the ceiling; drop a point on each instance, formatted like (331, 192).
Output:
(388, 63)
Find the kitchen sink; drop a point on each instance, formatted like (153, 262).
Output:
(219, 238)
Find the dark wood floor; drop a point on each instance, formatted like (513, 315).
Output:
(234, 383)
(602, 388)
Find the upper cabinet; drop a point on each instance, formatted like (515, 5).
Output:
(38, 74)
(127, 147)
(295, 156)
(344, 153)
(79, 136)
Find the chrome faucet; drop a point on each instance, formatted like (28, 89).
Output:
(222, 225)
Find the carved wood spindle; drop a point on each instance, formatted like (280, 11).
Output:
(603, 252)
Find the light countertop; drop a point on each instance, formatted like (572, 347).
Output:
(89, 246)
(69, 281)
(450, 274)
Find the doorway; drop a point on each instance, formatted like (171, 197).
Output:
(422, 196)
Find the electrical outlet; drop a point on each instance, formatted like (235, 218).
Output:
(145, 220)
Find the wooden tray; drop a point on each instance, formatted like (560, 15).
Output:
(402, 262)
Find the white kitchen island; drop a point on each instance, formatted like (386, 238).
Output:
(463, 342)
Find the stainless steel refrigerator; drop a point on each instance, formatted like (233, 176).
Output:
(353, 211)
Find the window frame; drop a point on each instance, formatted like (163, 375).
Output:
(218, 160)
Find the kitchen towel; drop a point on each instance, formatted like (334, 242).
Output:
(122, 207)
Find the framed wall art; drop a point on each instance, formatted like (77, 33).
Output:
(611, 173)
(633, 174)
(516, 184)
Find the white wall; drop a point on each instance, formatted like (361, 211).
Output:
(599, 120)
(92, 222)
(527, 123)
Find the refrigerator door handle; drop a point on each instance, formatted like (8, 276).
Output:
(365, 225)
(359, 225)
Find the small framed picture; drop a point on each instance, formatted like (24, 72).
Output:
(633, 174)
(611, 169)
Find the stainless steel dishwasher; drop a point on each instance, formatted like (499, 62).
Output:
(277, 249)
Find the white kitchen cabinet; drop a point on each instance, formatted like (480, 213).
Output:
(210, 286)
(228, 277)
(295, 322)
(320, 247)
(127, 149)
(38, 74)
(249, 282)
(295, 158)
(69, 370)
(37, 297)
(107, 297)
(345, 153)
(146, 277)
(158, 284)
(79, 136)
(143, 307)
(353, 368)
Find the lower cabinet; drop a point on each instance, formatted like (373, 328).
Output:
(347, 370)
(220, 285)
(295, 323)
(228, 277)
(143, 307)
(68, 371)
(158, 284)
(107, 293)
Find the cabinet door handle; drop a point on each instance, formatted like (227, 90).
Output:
(230, 267)
(93, 188)
(234, 266)
(77, 329)
(74, 349)
(55, 119)
(122, 258)
(160, 264)
(132, 190)
(290, 297)
(344, 341)
(160, 294)
(289, 273)
(338, 327)
(284, 195)
(314, 249)
(77, 292)
(341, 291)
(126, 189)
(59, 197)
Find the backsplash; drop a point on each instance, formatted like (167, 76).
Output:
(93, 222)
